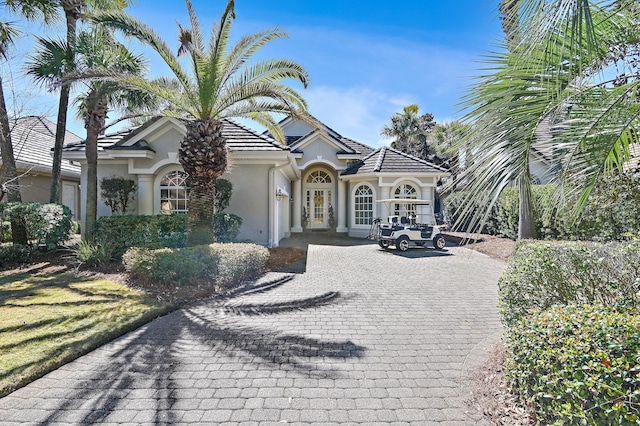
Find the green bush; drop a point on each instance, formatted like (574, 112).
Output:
(47, 225)
(541, 275)
(156, 231)
(94, 253)
(5, 231)
(235, 261)
(578, 365)
(13, 254)
(612, 213)
(221, 264)
(226, 227)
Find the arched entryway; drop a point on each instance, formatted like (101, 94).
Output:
(319, 198)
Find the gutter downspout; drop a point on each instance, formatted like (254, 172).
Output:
(271, 238)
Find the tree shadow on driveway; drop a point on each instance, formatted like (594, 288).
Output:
(180, 356)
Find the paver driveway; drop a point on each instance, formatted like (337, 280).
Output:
(364, 336)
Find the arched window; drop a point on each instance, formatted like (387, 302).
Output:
(319, 177)
(405, 191)
(174, 195)
(363, 208)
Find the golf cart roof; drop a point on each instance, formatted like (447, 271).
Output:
(404, 201)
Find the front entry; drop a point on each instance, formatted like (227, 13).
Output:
(318, 208)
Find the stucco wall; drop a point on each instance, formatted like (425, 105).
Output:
(318, 149)
(169, 141)
(297, 128)
(250, 200)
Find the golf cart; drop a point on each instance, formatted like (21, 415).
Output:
(411, 223)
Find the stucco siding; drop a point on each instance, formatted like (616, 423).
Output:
(250, 200)
(318, 149)
(297, 128)
(165, 143)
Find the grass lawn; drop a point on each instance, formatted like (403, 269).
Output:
(49, 318)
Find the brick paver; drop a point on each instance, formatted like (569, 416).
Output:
(364, 336)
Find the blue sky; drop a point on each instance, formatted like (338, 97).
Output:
(367, 59)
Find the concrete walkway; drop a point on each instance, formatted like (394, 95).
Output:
(364, 336)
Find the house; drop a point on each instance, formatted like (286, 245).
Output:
(33, 139)
(317, 181)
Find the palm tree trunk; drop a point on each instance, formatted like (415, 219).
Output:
(9, 170)
(72, 10)
(94, 123)
(527, 219)
(201, 212)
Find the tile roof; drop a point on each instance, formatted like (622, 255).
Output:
(389, 160)
(239, 138)
(33, 139)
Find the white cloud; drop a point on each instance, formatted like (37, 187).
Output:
(357, 113)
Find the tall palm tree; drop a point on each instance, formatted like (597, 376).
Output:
(410, 131)
(550, 73)
(219, 83)
(30, 10)
(95, 51)
(73, 11)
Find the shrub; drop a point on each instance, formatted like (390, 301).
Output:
(138, 231)
(235, 261)
(578, 365)
(15, 253)
(226, 227)
(47, 225)
(94, 253)
(541, 275)
(222, 264)
(117, 192)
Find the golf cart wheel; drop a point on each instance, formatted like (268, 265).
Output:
(402, 243)
(384, 244)
(439, 242)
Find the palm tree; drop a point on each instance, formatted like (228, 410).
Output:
(73, 11)
(31, 10)
(410, 131)
(95, 51)
(219, 84)
(550, 72)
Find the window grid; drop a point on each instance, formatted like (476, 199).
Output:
(405, 191)
(174, 195)
(363, 205)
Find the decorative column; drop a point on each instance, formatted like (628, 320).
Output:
(427, 211)
(297, 206)
(383, 210)
(342, 206)
(145, 194)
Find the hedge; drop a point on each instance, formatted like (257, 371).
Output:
(541, 275)
(122, 232)
(576, 365)
(47, 225)
(221, 264)
(612, 213)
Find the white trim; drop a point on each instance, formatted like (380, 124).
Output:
(352, 202)
(403, 179)
(328, 140)
(315, 161)
(158, 125)
(156, 184)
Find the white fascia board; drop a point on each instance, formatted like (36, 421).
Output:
(260, 156)
(349, 156)
(81, 157)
